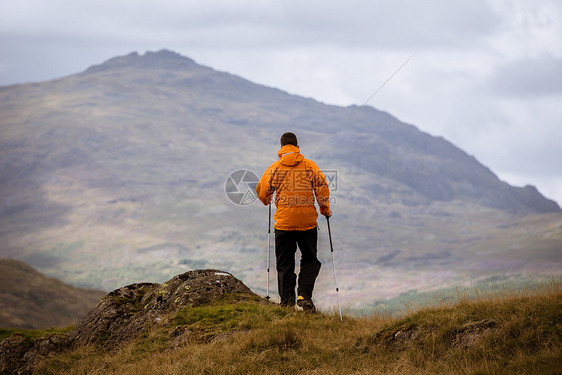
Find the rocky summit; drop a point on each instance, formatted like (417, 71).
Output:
(125, 313)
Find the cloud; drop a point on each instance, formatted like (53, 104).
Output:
(384, 25)
(356, 24)
(530, 77)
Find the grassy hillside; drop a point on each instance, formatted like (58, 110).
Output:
(502, 333)
(29, 299)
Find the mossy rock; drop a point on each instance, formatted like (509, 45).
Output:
(128, 311)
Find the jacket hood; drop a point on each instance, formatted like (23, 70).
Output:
(290, 155)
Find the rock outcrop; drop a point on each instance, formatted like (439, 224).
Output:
(125, 313)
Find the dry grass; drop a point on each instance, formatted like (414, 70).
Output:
(500, 333)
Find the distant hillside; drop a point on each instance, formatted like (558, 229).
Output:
(117, 174)
(28, 299)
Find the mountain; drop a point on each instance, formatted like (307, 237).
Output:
(120, 108)
(29, 299)
(117, 175)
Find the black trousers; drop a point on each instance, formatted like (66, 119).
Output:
(285, 249)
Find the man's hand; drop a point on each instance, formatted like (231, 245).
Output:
(270, 192)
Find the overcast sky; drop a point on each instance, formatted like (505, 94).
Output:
(485, 74)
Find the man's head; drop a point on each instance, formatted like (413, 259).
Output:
(289, 139)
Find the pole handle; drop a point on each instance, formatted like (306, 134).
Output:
(330, 234)
(269, 223)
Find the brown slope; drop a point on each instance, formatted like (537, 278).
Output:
(29, 299)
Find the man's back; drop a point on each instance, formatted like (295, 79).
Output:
(296, 181)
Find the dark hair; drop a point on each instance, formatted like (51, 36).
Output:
(289, 139)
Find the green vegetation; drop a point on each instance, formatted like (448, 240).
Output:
(214, 320)
(30, 334)
(504, 332)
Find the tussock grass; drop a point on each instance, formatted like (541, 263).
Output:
(502, 332)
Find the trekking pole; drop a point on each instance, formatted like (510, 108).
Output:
(267, 298)
(334, 267)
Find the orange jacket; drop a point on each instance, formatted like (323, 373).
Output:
(297, 181)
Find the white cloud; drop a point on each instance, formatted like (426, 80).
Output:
(289, 24)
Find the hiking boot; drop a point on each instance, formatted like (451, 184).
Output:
(306, 304)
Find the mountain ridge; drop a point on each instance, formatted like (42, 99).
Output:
(117, 174)
(167, 61)
(531, 197)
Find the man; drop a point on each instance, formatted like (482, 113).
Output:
(296, 181)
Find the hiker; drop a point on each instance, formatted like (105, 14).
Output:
(296, 181)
